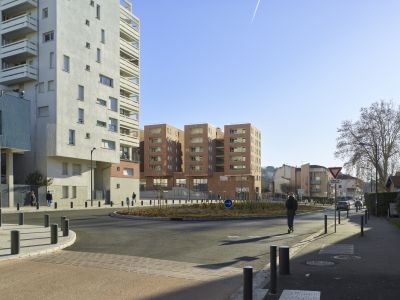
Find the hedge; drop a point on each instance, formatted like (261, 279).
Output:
(380, 209)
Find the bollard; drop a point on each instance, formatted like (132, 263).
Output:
(272, 258)
(54, 234)
(248, 283)
(150, 202)
(179, 201)
(62, 222)
(111, 204)
(173, 201)
(37, 204)
(14, 242)
(21, 218)
(122, 203)
(46, 220)
(366, 217)
(339, 216)
(132, 203)
(99, 204)
(356, 208)
(362, 225)
(141, 202)
(86, 204)
(1, 218)
(347, 214)
(66, 227)
(72, 204)
(326, 224)
(284, 268)
(17, 206)
(55, 205)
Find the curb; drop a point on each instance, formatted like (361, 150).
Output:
(71, 240)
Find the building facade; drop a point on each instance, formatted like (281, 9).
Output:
(81, 76)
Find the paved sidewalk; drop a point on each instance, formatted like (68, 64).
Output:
(34, 240)
(346, 265)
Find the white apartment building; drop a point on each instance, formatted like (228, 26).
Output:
(78, 63)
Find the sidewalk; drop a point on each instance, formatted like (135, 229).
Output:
(346, 265)
(34, 240)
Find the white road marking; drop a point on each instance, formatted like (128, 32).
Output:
(254, 236)
(300, 295)
(233, 237)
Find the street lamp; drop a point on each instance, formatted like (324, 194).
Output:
(91, 176)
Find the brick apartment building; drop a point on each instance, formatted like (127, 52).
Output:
(203, 158)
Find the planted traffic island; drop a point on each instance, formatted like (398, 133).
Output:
(217, 211)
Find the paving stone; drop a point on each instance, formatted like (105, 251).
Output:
(300, 295)
(336, 249)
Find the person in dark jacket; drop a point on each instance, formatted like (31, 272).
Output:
(291, 207)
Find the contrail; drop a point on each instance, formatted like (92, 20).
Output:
(255, 11)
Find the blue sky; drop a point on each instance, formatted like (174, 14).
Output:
(296, 72)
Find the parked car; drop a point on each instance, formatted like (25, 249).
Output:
(342, 205)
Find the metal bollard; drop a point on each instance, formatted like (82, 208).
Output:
(72, 204)
(46, 220)
(1, 218)
(62, 222)
(141, 202)
(122, 203)
(150, 202)
(54, 234)
(132, 203)
(111, 204)
(272, 258)
(356, 208)
(55, 205)
(248, 283)
(17, 206)
(21, 218)
(366, 217)
(362, 225)
(66, 227)
(15, 242)
(339, 216)
(326, 223)
(347, 214)
(37, 204)
(99, 204)
(173, 201)
(284, 268)
(86, 204)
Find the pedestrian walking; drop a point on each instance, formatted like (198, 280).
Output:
(133, 198)
(33, 198)
(49, 198)
(291, 207)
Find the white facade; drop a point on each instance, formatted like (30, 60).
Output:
(78, 63)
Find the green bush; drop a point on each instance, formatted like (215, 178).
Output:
(380, 208)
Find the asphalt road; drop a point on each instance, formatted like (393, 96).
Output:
(213, 244)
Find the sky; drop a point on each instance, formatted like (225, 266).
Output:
(296, 71)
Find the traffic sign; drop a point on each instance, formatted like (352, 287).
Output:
(333, 181)
(228, 203)
(335, 171)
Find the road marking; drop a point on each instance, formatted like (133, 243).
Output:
(300, 295)
(254, 236)
(233, 237)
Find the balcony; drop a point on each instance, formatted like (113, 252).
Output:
(18, 74)
(128, 122)
(21, 25)
(130, 103)
(19, 50)
(129, 48)
(128, 85)
(128, 32)
(15, 6)
(128, 67)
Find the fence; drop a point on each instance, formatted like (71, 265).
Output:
(381, 207)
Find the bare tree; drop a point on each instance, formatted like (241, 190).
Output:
(373, 140)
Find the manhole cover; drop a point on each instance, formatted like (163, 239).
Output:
(346, 257)
(320, 263)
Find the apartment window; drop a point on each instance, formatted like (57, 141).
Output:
(154, 140)
(50, 85)
(51, 60)
(113, 104)
(237, 140)
(43, 111)
(196, 168)
(48, 36)
(155, 158)
(98, 11)
(196, 149)
(124, 152)
(101, 123)
(238, 158)
(155, 130)
(87, 68)
(237, 167)
(101, 102)
(112, 124)
(124, 131)
(81, 115)
(198, 130)
(65, 192)
(196, 158)
(196, 140)
(237, 131)
(41, 87)
(88, 45)
(237, 149)
(127, 172)
(87, 22)
(74, 192)
(103, 36)
(92, 3)
(155, 149)
(98, 54)
(71, 137)
(76, 169)
(155, 168)
(81, 92)
(64, 168)
(106, 80)
(45, 13)
(66, 63)
(106, 144)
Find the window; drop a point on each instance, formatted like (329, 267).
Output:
(101, 123)
(51, 60)
(124, 131)
(41, 87)
(112, 124)
(196, 158)
(124, 152)
(180, 182)
(74, 192)
(76, 169)
(45, 12)
(87, 68)
(155, 158)
(154, 140)
(103, 36)
(155, 130)
(88, 45)
(51, 85)
(237, 140)
(198, 130)
(196, 168)
(43, 111)
(66, 63)
(91, 3)
(65, 192)
(98, 55)
(81, 116)
(113, 104)
(237, 167)
(196, 149)
(238, 158)
(106, 144)
(237, 131)
(81, 92)
(127, 172)
(64, 168)
(155, 149)
(237, 149)
(71, 137)
(196, 140)
(155, 167)
(101, 102)
(48, 36)
(98, 11)
(106, 80)
(87, 22)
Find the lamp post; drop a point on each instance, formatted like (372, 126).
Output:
(91, 176)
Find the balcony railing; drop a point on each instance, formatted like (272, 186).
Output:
(17, 74)
(15, 5)
(24, 23)
(129, 67)
(21, 48)
(127, 84)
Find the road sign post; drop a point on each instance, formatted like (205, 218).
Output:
(335, 172)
